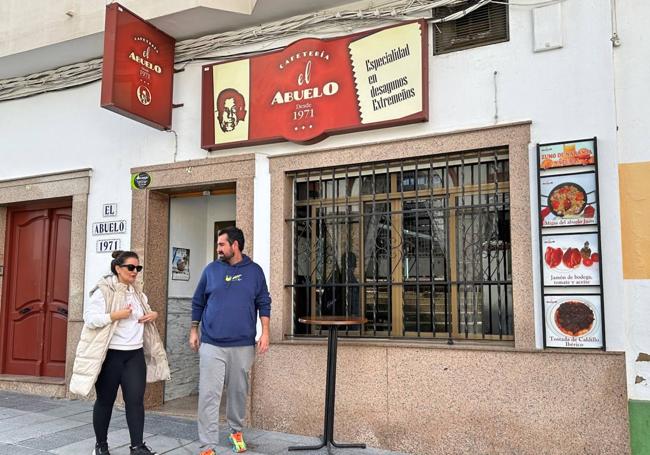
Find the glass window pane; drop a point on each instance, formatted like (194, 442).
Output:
(374, 184)
(301, 192)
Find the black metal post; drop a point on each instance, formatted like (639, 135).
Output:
(331, 366)
(330, 399)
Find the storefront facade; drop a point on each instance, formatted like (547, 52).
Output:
(429, 230)
(395, 390)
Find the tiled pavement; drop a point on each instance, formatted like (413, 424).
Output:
(38, 425)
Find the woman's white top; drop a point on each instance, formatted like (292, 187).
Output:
(129, 332)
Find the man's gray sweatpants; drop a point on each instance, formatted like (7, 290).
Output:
(219, 365)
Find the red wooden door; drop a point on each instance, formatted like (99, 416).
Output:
(37, 271)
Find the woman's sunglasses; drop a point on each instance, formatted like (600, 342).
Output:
(131, 267)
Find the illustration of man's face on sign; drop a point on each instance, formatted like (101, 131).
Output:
(231, 109)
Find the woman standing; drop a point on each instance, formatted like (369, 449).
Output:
(119, 346)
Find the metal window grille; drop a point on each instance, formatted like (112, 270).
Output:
(483, 26)
(419, 247)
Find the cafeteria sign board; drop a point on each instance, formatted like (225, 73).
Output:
(314, 88)
(138, 68)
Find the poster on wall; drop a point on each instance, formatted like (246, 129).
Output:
(180, 264)
(568, 200)
(573, 321)
(317, 87)
(571, 260)
(579, 153)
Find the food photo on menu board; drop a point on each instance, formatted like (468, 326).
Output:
(573, 321)
(571, 260)
(567, 154)
(568, 200)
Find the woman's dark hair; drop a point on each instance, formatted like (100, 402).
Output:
(234, 234)
(119, 257)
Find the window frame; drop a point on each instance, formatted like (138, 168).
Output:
(397, 285)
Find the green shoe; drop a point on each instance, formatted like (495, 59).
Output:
(237, 441)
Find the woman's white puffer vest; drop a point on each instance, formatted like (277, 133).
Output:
(93, 344)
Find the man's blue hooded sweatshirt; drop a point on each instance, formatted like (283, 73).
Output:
(227, 301)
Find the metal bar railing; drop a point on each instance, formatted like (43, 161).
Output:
(380, 211)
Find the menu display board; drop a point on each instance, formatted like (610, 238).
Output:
(568, 200)
(573, 321)
(570, 252)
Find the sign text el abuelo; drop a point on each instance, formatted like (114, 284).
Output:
(138, 70)
(314, 88)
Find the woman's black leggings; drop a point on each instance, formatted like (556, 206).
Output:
(128, 369)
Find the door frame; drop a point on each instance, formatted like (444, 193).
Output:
(150, 222)
(75, 184)
(8, 251)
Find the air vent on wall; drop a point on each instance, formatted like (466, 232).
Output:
(485, 25)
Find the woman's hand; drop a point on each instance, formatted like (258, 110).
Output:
(121, 314)
(149, 317)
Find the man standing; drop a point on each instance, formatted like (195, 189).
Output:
(231, 293)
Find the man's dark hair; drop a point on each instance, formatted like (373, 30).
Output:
(234, 234)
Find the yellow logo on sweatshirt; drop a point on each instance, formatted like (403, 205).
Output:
(230, 278)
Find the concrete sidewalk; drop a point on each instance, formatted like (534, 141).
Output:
(36, 425)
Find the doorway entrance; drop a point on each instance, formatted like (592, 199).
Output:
(151, 234)
(34, 316)
(194, 217)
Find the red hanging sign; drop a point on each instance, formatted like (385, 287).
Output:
(314, 88)
(138, 71)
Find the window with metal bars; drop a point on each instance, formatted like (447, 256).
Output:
(485, 25)
(419, 247)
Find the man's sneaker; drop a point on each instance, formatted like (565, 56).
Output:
(101, 449)
(209, 452)
(237, 441)
(142, 449)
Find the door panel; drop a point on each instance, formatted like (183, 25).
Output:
(26, 292)
(36, 294)
(56, 321)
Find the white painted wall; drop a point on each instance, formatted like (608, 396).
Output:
(68, 130)
(567, 93)
(633, 119)
(633, 81)
(187, 230)
(219, 208)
